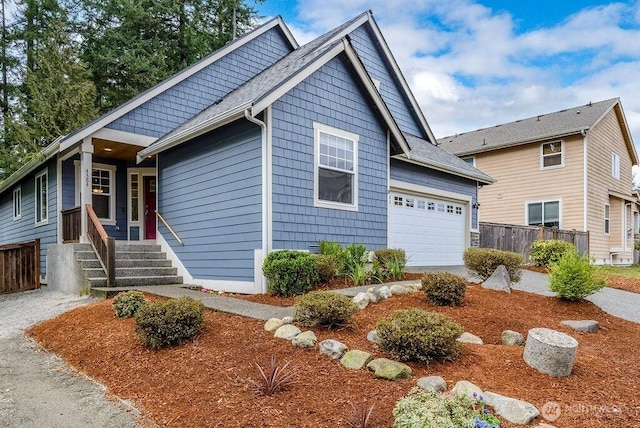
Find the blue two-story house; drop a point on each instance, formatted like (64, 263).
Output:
(263, 145)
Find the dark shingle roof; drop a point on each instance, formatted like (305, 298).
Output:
(432, 155)
(563, 122)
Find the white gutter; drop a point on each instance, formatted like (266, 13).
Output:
(444, 168)
(32, 164)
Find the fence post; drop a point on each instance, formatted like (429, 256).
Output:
(111, 262)
(541, 233)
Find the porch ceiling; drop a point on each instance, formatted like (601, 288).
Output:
(114, 150)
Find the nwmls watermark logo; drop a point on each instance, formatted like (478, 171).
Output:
(552, 410)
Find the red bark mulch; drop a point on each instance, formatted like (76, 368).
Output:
(203, 383)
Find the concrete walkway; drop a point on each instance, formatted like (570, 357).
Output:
(619, 303)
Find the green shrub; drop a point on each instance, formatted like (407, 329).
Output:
(417, 335)
(444, 288)
(484, 261)
(127, 304)
(330, 248)
(574, 277)
(290, 272)
(328, 266)
(169, 322)
(545, 253)
(324, 308)
(392, 262)
(429, 409)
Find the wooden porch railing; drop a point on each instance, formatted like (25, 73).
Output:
(20, 266)
(71, 225)
(104, 246)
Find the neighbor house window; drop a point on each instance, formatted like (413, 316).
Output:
(607, 219)
(471, 160)
(552, 154)
(17, 203)
(41, 208)
(543, 214)
(336, 152)
(103, 192)
(615, 166)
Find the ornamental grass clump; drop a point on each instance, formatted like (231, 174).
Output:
(546, 253)
(128, 303)
(169, 322)
(418, 335)
(484, 261)
(274, 379)
(392, 262)
(444, 288)
(574, 277)
(324, 308)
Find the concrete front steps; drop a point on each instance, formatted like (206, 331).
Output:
(136, 265)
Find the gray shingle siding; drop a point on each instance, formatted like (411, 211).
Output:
(173, 107)
(414, 174)
(329, 96)
(24, 229)
(211, 196)
(363, 42)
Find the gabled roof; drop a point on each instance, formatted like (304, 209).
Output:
(430, 155)
(538, 128)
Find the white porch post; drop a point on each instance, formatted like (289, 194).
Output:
(86, 160)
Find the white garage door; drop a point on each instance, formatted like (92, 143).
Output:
(431, 231)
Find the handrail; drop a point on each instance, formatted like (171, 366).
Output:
(103, 245)
(173, 232)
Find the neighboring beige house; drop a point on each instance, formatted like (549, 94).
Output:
(570, 169)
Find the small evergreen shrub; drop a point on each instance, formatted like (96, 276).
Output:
(427, 408)
(417, 335)
(127, 304)
(546, 253)
(328, 266)
(444, 288)
(574, 277)
(484, 261)
(324, 308)
(290, 272)
(332, 248)
(169, 322)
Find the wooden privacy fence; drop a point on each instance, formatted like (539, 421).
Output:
(510, 237)
(20, 267)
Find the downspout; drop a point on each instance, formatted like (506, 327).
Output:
(265, 196)
(586, 180)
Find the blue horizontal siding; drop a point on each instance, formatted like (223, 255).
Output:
(176, 105)
(24, 229)
(415, 174)
(332, 97)
(390, 90)
(210, 192)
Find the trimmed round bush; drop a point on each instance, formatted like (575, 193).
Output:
(444, 288)
(546, 253)
(127, 304)
(574, 277)
(169, 322)
(417, 335)
(427, 408)
(324, 308)
(327, 266)
(484, 261)
(290, 272)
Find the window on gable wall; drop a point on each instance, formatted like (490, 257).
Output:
(543, 214)
(615, 166)
(336, 168)
(552, 154)
(17, 203)
(41, 197)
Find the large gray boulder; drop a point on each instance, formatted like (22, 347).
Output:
(435, 383)
(273, 324)
(470, 338)
(305, 340)
(361, 300)
(287, 331)
(589, 326)
(550, 352)
(355, 359)
(512, 338)
(515, 411)
(332, 348)
(499, 280)
(388, 369)
(464, 387)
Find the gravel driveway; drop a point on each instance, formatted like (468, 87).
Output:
(36, 388)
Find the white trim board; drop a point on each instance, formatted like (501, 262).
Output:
(402, 186)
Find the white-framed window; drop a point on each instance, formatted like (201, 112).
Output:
(17, 203)
(552, 155)
(336, 168)
(615, 166)
(41, 198)
(544, 213)
(471, 160)
(607, 219)
(103, 192)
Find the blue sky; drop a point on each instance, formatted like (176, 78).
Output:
(473, 64)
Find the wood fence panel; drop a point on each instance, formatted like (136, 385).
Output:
(19, 267)
(518, 239)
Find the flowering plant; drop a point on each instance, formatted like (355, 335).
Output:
(483, 418)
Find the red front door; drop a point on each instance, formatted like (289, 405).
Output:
(149, 184)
